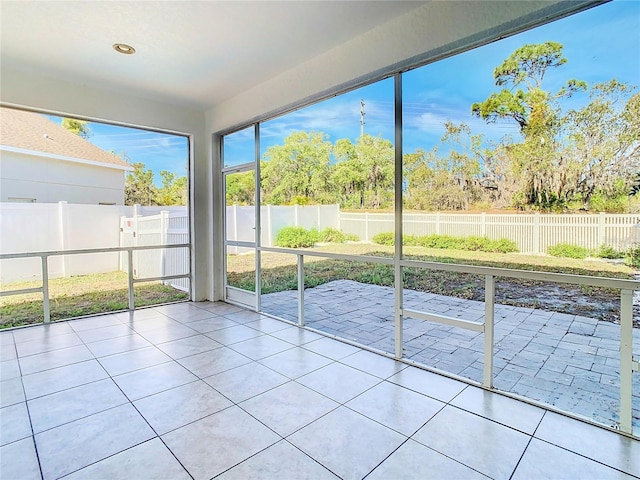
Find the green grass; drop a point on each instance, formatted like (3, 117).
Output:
(81, 295)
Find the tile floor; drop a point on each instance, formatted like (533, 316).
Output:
(209, 390)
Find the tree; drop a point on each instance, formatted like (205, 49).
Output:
(241, 188)
(450, 180)
(298, 170)
(173, 190)
(138, 187)
(79, 127)
(532, 108)
(543, 174)
(604, 142)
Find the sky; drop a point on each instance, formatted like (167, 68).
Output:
(600, 44)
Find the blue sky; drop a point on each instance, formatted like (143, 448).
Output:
(600, 44)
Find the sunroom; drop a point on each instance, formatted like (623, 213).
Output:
(328, 360)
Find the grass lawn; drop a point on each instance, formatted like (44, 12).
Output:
(81, 295)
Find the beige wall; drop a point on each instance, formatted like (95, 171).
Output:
(50, 180)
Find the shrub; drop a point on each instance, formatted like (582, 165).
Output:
(410, 240)
(504, 245)
(386, 238)
(567, 250)
(472, 243)
(296, 237)
(331, 235)
(632, 257)
(606, 251)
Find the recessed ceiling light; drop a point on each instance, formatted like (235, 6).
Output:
(124, 48)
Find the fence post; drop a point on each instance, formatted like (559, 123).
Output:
(269, 231)
(601, 235)
(536, 233)
(366, 226)
(483, 224)
(63, 218)
(136, 214)
(164, 235)
(235, 225)
(437, 223)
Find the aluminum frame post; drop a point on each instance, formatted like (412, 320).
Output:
(301, 290)
(626, 360)
(46, 306)
(489, 317)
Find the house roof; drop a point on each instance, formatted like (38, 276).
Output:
(33, 132)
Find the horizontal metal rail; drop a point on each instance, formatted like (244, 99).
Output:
(8, 256)
(44, 256)
(445, 320)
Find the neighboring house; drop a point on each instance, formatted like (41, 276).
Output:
(42, 162)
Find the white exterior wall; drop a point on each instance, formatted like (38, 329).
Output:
(49, 180)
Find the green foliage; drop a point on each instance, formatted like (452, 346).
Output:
(606, 251)
(240, 188)
(447, 242)
(296, 237)
(632, 257)
(333, 235)
(568, 250)
(79, 127)
(300, 237)
(138, 187)
(387, 238)
(173, 191)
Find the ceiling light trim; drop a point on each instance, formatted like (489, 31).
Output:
(124, 48)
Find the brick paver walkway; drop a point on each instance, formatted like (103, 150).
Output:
(569, 361)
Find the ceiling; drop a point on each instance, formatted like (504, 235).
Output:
(189, 53)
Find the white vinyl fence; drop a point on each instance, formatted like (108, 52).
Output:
(164, 228)
(533, 233)
(42, 227)
(240, 222)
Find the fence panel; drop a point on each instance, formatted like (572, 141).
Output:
(241, 221)
(164, 228)
(533, 233)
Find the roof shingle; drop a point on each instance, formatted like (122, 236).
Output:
(33, 131)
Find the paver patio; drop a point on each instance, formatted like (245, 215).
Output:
(569, 361)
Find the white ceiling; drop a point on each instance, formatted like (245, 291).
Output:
(190, 53)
